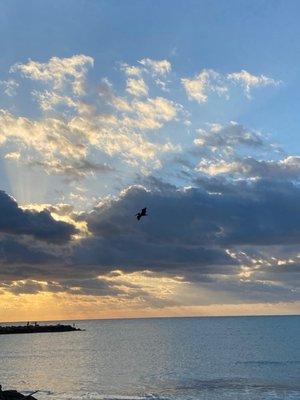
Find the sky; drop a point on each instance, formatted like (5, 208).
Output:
(188, 108)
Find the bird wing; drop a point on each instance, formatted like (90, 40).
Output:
(144, 210)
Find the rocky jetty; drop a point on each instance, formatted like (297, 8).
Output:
(36, 328)
(14, 395)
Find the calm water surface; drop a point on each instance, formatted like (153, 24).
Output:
(174, 358)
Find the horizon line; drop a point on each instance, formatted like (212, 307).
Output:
(158, 317)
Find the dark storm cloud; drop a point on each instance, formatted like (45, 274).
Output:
(132, 254)
(14, 250)
(24, 258)
(40, 225)
(187, 233)
(252, 290)
(243, 213)
(287, 274)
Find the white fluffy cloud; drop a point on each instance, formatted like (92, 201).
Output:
(201, 85)
(81, 132)
(58, 71)
(48, 100)
(152, 113)
(50, 136)
(62, 140)
(62, 145)
(131, 70)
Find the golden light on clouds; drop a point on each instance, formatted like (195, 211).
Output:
(48, 306)
(64, 213)
(142, 295)
(89, 151)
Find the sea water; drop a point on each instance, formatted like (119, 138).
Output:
(170, 358)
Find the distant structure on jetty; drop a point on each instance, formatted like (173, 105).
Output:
(36, 328)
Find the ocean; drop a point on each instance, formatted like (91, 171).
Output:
(209, 358)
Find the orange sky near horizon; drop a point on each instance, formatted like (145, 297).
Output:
(48, 306)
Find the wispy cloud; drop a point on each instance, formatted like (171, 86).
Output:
(249, 81)
(137, 87)
(9, 86)
(156, 67)
(208, 81)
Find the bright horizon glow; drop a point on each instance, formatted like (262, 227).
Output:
(64, 311)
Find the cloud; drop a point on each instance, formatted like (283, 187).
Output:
(249, 81)
(40, 225)
(233, 151)
(195, 233)
(108, 126)
(146, 114)
(222, 242)
(120, 138)
(10, 87)
(223, 237)
(50, 100)
(137, 87)
(88, 287)
(228, 137)
(220, 146)
(131, 70)
(209, 81)
(58, 71)
(285, 169)
(48, 136)
(74, 170)
(62, 145)
(243, 214)
(151, 114)
(156, 67)
(12, 156)
(206, 82)
(62, 140)
(21, 258)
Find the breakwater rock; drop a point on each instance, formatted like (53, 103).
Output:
(14, 395)
(8, 330)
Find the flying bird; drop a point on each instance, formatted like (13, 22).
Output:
(141, 214)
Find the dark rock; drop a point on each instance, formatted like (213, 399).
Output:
(14, 395)
(8, 330)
